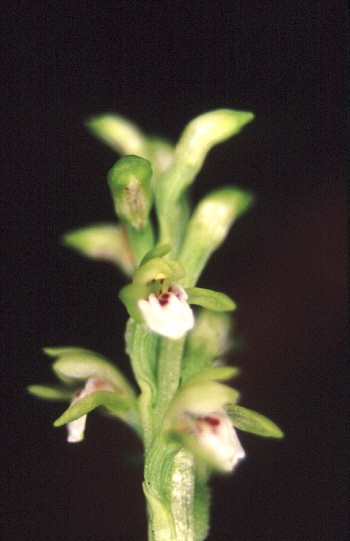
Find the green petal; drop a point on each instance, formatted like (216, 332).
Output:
(77, 364)
(208, 228)
(212, 300)
(251, 421)
(50, 392)
(106, 242)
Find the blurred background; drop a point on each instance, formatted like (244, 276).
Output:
(162, 64)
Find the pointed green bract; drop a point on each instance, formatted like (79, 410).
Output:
(208, 228)
(212, 300)
(197, 139)
(251, 421)
(115, 404)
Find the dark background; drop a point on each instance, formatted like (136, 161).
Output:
(162, 64)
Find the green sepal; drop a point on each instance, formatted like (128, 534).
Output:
(251, 421)
(112, 401)
(212, 300)
(129, 295)
(50, 392)
(130, 184)
(107, 242)
(201, 396)
(155, 253)
(209, 226)
(76, 364)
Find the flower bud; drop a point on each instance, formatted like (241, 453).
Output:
(130, 183)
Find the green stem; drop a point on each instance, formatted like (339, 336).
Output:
(169, 371)
(141, 241)
(142, 347)
(177, 504)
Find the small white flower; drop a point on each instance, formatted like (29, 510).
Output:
(167, 312)
(76, 428)
(213, 439)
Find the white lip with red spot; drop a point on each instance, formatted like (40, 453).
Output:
(168, 313)
(213, 438)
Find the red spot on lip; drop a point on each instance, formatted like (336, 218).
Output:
(166, 296)
(163, 302)
(212, 421)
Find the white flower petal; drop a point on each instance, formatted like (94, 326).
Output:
(219, 437)
(213, 439)
(76, 430)
(168, 314)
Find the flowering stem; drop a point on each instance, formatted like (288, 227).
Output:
(184, 414)
(140, 241)
(142, 346)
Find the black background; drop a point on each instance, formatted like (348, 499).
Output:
(162, 64)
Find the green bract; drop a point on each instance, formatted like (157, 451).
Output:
(251, 421)
(183, 411)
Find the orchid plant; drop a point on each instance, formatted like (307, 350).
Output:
(184, 413)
